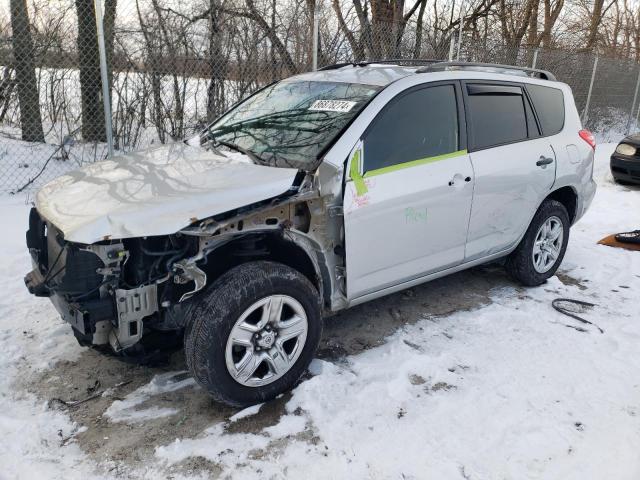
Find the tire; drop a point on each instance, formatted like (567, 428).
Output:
(215, 319)
(521, 264)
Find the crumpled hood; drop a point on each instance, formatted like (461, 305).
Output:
(155, 192)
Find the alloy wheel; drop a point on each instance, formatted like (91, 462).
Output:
(547, 244)
(266, 340)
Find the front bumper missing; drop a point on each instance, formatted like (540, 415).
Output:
(115, 321)
(91, 319)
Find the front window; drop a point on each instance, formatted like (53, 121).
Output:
(419, 125)
(290, 123)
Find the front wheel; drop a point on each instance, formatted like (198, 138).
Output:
(253, 333)
(542, 249)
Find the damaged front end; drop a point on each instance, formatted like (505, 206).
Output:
(115, 291)
(106, 290)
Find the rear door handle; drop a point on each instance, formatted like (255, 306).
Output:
(544, 161)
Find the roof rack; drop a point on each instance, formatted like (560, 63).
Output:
(389, 61)
(433, 65)
(441, 65)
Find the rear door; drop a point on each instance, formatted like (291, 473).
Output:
(408, 199)
(514, 167)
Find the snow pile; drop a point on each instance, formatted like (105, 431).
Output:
(510, 390)
(247, 412)
(128, 411)
(32, 336)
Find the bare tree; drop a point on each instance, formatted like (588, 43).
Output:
(595, 18)
(515, 19)
(24, 65)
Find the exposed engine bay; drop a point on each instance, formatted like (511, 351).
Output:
(114, 291)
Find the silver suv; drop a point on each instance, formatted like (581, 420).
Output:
(317, 193)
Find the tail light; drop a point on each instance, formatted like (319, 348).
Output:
(588, 137)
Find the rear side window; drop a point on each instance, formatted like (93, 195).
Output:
(496, 114)
(420, 124)
(549, 105)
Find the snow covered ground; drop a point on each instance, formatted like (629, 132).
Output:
(509, 390)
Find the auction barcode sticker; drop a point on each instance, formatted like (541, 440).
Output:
(332, 105)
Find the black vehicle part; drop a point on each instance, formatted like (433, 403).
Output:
(212, 315)
(629, 237)
(152, 258)
(84, 316)
(37, 240)
(153, 350)
(79, 276)
(62, 267)
(561, 305)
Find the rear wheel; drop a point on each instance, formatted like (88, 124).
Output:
(253, 333)
(542, 249)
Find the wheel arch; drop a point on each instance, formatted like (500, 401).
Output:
(286, 247)
(568, 197)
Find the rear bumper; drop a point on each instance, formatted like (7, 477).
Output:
(625, 169)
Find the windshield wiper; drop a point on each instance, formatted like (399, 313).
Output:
(255, 158)
(209, 140)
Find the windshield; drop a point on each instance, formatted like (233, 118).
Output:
(290, 123)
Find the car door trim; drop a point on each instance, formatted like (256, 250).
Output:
(358, 178)
(414, 163)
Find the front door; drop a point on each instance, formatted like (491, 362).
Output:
(408, 195)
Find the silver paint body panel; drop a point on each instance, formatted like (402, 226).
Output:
(155, 192)
(509, 185)
(508, 188)
(410, 223)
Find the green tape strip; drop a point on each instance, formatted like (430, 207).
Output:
(413, 163)
(358, 181)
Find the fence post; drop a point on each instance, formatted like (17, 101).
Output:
(585, 113)
(316, 22)
(535, 58)
(452, 46)
(460, 30)
(633, 104)
(105, 77)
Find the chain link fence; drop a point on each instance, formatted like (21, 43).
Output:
(170, 68)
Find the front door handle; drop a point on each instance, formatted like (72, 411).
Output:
(457, 177)
(544, 161)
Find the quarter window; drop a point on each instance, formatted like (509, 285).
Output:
(549, 105)
(496, 114)
(417, 125)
